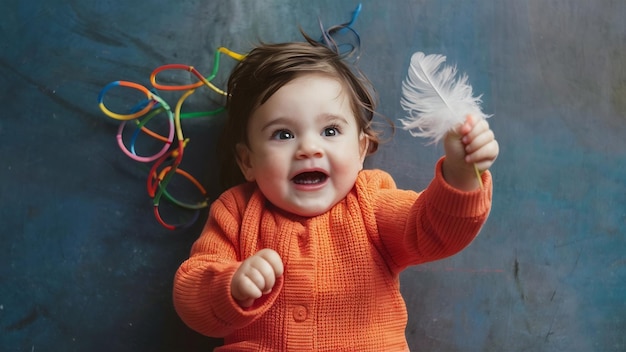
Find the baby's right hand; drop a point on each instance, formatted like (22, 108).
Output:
(256, 276)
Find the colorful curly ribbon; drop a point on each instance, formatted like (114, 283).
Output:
(168, 159)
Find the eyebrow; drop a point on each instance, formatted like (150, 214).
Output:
(336, 118)
(328, 118)
(277, 121)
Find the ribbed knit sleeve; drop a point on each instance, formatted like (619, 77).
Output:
(202, 295)
(440, 222)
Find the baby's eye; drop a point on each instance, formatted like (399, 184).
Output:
(331, 131)
(282, 134)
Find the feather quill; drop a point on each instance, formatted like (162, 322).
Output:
(435, 100)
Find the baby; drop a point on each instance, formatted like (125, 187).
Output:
(305, 251)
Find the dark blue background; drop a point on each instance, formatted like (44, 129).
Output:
(85, 267)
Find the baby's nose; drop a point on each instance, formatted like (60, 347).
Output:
(310, 147)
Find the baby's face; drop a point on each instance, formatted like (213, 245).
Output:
(305, 147)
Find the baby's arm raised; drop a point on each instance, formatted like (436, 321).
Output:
(436, 223)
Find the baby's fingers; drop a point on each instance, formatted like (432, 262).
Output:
(477, 141)
(485, 156)
(470, 129)
(244, 290)
(262, 274)
(257, 281)
(273, 259)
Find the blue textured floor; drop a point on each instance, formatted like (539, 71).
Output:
(86, 268)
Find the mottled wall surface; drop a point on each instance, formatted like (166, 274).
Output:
(85, 267)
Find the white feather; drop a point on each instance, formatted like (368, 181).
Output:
(434, 99)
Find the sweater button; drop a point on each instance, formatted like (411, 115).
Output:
(299, 313)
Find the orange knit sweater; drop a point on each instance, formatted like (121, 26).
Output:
(340, 289)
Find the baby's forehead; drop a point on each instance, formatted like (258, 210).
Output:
(318, 87)
(334, 83)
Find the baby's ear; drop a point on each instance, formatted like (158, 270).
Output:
(244, 162)
(364, 146)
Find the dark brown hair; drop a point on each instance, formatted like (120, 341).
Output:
(264, 71)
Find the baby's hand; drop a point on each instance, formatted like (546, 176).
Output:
(472, 143)
(256, 276)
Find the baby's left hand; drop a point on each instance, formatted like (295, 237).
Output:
(472, 143)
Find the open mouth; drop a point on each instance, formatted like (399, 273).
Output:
(310, 178)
